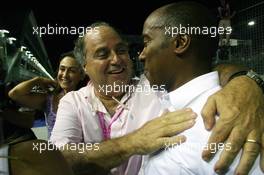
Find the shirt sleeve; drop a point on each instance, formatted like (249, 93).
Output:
(67, 128)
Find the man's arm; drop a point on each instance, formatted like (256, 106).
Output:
(111, 153)
(240, 105)
(152, 136)
(22, 92)
(228, 71)
(26, 160)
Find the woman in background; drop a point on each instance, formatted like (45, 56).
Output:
(19, 149)
(69, 78)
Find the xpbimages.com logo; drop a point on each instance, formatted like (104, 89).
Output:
(117, 87)
(197, 146)
(196, 30)
(78, 147)
(62, 30)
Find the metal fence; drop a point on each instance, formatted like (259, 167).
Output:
(247, 39)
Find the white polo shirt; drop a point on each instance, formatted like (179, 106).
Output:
(78, 119)
(186, 158)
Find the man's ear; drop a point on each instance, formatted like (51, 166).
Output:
(181, 43)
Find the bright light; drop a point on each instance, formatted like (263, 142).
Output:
(251, 23)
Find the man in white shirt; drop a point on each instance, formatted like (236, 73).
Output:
(80, 118)
(182, 62)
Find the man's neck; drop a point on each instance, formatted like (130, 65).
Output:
(109, 103)
(187, 76)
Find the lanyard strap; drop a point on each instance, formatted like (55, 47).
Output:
(106, 130)
(103, 125)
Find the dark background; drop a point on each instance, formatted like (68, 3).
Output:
(128, 16)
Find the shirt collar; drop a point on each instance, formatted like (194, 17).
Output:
(183, 95)
(94, 101)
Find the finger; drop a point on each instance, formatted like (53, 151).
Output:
(172, 130)
(170, 118)
(48, 81)
(169, 126)
(209, 112)
(167, 113)
(52, 83)
(169, 142)
(249, 154)
(262, 154)
(178, 117)
(232, 147)
(219, 134)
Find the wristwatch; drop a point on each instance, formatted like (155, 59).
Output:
(257, 78)
(252, 75)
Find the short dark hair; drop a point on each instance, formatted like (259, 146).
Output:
(67, 54)
(184, 13)
(188, 14)
(72, 55)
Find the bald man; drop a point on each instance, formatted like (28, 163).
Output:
(182, 62)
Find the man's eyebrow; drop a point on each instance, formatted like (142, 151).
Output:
(157, 26)
(149, 33)
(99, 49)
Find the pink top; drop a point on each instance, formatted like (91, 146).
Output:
(81, 117)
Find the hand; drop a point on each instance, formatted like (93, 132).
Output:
(240, 105)
(158, 133)
(45, 83)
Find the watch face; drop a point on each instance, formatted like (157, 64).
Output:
(257, 78)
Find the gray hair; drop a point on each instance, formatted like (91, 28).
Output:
(79, 49)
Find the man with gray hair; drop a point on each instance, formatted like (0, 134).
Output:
(100, 118)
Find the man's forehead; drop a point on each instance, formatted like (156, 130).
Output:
(151, 24)
(151, 31)
(104, 37)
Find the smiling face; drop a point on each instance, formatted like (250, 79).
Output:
(69, 74)
(107, 59)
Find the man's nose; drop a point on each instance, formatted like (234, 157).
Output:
(115, 58)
